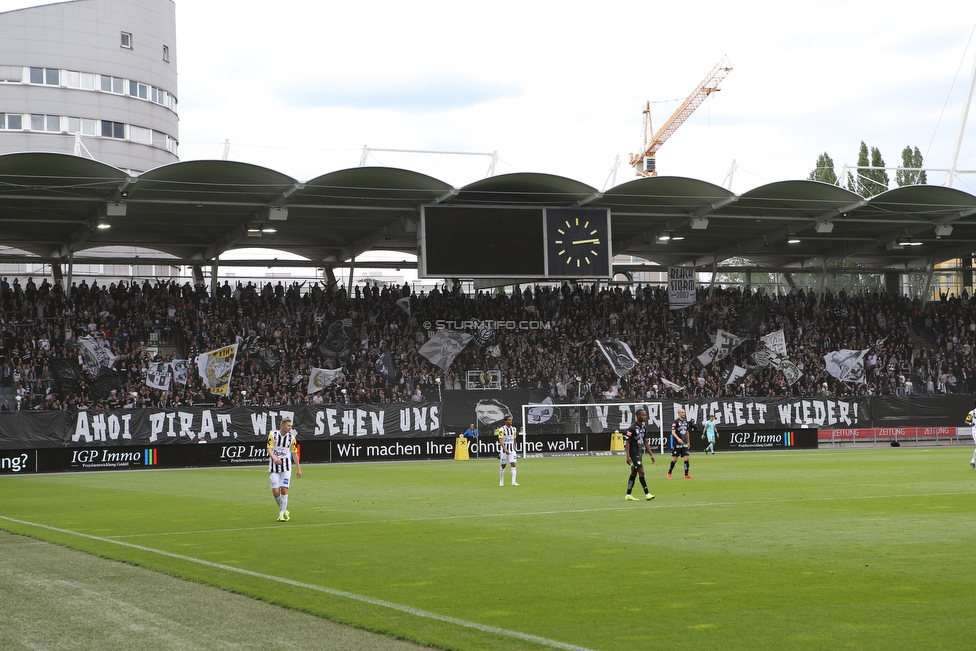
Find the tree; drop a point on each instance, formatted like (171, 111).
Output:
(824, 171)
(872, 179)
(912, 174)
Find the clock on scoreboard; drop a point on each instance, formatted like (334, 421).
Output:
(577, 243)
(514, 242)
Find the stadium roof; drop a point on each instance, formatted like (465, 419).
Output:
(192, 212)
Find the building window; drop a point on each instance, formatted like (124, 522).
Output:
(52, 76)
(37, 75)
(127, 40)
(37, 123)
(3, 121)
(15, 122)
(166, 53)
(53, 123)
(113, 130)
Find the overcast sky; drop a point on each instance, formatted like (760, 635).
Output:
(558, 87)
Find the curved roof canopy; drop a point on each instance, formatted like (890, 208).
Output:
(51, 205)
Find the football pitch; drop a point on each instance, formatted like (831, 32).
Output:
(840, 549)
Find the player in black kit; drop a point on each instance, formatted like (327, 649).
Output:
(635, 442)
(681, 441)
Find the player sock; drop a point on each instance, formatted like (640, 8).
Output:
(687, 466)
(644, 484)
(284, 502)
(501, 475)
(671, 469)
(630, 486)
(278, 502)
(513, 474)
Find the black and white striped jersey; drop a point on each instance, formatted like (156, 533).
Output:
(283, 446)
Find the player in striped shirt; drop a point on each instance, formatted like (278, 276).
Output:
(282, 452)
(506, 449)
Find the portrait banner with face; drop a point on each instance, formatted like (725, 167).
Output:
(215, 368)
(618, 354)
(444, 346)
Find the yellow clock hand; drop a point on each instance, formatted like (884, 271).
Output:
(593, 241)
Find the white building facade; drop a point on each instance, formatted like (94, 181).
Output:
(96, 78)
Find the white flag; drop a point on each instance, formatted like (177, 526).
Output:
(444, 346)
(672, 385)
(216, 367)
(96, 354)
(734, 374)
(681, 287)
(846, 365)
(619, 354)
(158, 376)
(775, 341)
(725, 343)
(181, 371)
(404, 304)
(320, 378)
(708, 356)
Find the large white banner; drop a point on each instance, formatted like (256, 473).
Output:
(216, 367)
(158, 376)
(320, 378)
(681, 287)
(846, 365)
(775, 341)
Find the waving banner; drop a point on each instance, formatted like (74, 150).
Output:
(444, 346)
(215, 368)
(320, 378)
(846, 365)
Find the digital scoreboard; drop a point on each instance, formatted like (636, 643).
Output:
(514, 242)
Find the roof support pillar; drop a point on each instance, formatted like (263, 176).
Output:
(929, 272)
(352, 271)
(892, 281)
(711, 285)
(214, 281)
(71, 269)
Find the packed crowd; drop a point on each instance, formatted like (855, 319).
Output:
(551, 346)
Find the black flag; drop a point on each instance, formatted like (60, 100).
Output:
(747, 325)
(105, 382)
(384, 366)
(266, 360)
(66, 375)
(337, 341)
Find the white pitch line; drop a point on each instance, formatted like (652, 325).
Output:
(308, 586)
(509, 514)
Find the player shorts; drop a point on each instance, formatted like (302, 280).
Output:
(636, 462)
(280, 479)
(679, 451)
(508, 458)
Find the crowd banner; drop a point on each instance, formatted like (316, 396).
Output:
(30, 430)
(160, 427)
(681, 287)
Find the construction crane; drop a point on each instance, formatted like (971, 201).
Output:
(645, 162)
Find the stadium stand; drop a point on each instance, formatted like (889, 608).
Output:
(916, 347)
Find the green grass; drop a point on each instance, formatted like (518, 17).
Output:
(859, 549)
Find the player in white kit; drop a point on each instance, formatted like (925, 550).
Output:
(282, 452)
(506, 445)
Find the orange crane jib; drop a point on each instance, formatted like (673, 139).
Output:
(652, 143)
